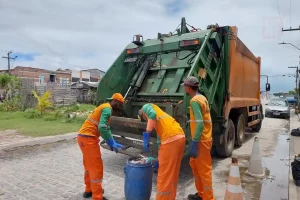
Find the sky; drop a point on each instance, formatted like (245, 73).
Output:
(82, 34)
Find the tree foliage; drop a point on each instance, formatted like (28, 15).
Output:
(43, 101)
(9, 84)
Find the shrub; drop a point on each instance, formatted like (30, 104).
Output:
(11, 105)
(32, 113)
(43, 101)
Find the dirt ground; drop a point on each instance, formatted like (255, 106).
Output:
(11, 136)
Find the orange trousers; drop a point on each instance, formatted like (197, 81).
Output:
(202, 171)
(169, 158)
(93, 165)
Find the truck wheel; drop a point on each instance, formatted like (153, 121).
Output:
(240, 129)
(226, 141)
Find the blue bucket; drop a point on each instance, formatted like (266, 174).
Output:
(138, 180)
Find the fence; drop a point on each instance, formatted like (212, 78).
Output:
(61, 93)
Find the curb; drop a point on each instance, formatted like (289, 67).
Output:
(294, 191)
(37, 141)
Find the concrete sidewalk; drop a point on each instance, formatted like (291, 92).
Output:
(294, 191)
(29, 142)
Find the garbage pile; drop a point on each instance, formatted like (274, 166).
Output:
(296, 170)
(142, 160)
(295, 132)
(145, 160)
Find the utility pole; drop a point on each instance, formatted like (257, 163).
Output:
(8, 60)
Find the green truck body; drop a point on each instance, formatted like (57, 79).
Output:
(151, 71)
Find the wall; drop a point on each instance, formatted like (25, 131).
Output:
(40, 76)
(63, 77)
(80, 76)
(85, 76)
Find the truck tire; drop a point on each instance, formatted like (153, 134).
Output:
(227, 139)
(240, 129)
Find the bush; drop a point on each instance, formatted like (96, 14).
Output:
(32, 113)
(72, 108)
(11, 105)
(43, 101)
(50, 118)
(1, 107)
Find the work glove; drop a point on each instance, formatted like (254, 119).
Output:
(193, 149)
(146, 137)
(155, 166)
(114, 146)
(154, 162)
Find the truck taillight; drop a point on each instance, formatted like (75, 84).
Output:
(133, 51)
(185, 43)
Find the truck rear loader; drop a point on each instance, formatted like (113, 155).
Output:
(151, 71)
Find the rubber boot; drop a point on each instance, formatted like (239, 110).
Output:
(90, 194)
(87, 194)
(194, 197)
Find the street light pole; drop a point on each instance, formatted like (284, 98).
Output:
(290, 44)
(267, 77)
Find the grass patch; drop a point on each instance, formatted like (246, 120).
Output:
(54, 121)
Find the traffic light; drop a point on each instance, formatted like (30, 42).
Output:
(268, 87)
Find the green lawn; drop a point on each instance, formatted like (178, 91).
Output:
(54, 122)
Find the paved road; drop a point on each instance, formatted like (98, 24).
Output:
(55, 171)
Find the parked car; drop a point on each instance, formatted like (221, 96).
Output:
(277, 107)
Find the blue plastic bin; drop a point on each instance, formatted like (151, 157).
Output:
(138, 181)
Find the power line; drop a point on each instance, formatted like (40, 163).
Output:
(278, 9)
(8, 60)
(290, 13)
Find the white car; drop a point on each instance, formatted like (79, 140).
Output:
(277, 107)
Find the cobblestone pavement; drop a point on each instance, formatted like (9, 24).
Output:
(55, 171)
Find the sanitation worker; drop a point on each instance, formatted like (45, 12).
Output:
(201, 131)
(97, 124)
(171, 142)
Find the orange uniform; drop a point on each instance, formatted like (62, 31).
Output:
(88, 140)
(202, 164)
(172, 139)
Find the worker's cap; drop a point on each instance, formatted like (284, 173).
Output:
(116, 96)
(191, 81)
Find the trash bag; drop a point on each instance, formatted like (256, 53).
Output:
(295, 165)
(296, 132)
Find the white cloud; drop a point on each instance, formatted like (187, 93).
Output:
(91, 34)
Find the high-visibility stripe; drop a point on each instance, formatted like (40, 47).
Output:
(163, 193)
(207, 188)
(205, 121)
(234, 188)
(96, 181)
(93, 121)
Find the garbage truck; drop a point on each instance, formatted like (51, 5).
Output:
(152, 70)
